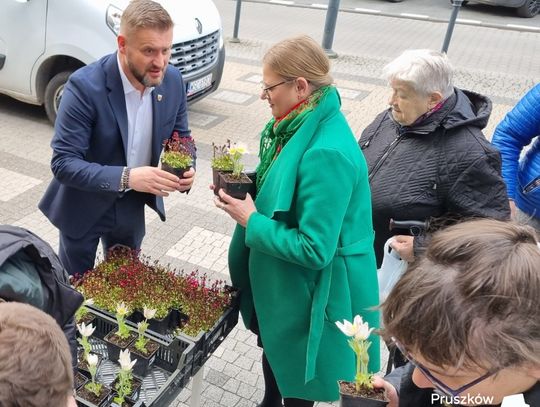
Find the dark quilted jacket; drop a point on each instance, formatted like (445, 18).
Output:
(60, 299)
(443, 165)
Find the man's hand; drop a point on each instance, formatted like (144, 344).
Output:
(403, 245)
(187, 182)
(153, 180)
(240, 210)
(391, 392)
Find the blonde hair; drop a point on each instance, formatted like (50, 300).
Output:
(300, 57)
(473, 300)
(35, 360)
(144, 14)
(425, 70)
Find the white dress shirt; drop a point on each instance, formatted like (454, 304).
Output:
(139, 115)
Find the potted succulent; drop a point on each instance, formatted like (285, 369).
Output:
(178, 154)
(95, 392)
(361, 392)
(123, 337)
(143, 347)
(236, 184)
(221, 163)
(126, 386)
(82, 314)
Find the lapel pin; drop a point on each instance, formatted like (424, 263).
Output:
(159, 97)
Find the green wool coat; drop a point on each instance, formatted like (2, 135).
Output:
(306, 260)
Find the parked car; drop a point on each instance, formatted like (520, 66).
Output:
(43, 42)
(524, 8)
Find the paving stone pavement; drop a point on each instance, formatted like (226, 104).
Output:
(196, 234)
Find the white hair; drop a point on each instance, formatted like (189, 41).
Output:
(425, 70)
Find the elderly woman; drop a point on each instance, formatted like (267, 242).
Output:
(426, 154)
(302, 254)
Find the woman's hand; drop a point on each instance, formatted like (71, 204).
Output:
(391, 392)
(403, 245)
(240, 210)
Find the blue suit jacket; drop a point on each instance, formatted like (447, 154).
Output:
(90, 142)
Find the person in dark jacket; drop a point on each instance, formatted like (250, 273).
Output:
(30, 272)
(519, 129)
(471, 331)
(426, 154)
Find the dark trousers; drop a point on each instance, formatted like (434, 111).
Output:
(272, 395)
(122, 223)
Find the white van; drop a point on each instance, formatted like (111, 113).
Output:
(43, 41)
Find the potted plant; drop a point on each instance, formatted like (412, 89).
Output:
(126, 386)
(236, 184)
(178, 154)
(202, 300)
(143, 347)
(85, 332)
(123, 337)
(221, 163)
(94, 392)
(82, 314)
(361, 392)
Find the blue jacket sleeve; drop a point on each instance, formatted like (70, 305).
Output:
(519, 127)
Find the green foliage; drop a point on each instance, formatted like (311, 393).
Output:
(221, 159)
(87, 347)
(141, 342)
(123, 386)
(177, 159)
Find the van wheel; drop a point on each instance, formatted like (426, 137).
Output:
(53, 94)
(529, 9)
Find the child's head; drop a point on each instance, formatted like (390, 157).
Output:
(470, 309)
(35, 361)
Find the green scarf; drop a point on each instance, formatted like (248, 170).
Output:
(277, 133)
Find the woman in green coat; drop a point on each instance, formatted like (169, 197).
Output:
(302, 253)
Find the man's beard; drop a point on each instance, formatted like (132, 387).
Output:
(142, 77)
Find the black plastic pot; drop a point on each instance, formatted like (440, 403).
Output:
(113, 348)
(104, 399)
(144, 362)
(82, 365)
(179, 172)
(353, 401)
(216, 179)
(236, 187)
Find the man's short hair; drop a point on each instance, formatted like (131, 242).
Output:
(473, 299)
(35, 361)
(140, 14)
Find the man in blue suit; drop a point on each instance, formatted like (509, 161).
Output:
(114, 116)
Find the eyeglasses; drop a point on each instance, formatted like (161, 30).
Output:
(267, 89)
(447, 390)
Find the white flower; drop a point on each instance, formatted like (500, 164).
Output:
(358, 329)
(149, 313)
(122, 309)
(92, 359)
(89, 301)
(125, 360)
(86, 330)
(238, 148)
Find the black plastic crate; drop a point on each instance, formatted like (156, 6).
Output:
(172, 368)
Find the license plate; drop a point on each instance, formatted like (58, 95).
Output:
(199, 84)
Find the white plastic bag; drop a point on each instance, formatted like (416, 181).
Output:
(392, 268)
